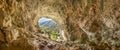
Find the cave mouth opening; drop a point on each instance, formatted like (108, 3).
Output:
(50, 28)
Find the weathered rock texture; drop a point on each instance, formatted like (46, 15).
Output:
(88, 24)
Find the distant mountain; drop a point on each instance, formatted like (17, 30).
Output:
(50, 25)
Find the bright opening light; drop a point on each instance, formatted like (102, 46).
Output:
(50, 27)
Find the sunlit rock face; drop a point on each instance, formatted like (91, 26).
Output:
(87, 24)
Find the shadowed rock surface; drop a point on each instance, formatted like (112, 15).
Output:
(87, 24)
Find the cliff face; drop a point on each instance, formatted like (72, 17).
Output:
(88, 24)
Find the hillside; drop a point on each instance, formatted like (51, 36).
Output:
(50, 25)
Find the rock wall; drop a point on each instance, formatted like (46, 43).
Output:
(88, 24)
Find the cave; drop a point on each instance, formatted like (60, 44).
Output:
(84, 24)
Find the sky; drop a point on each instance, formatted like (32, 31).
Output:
(43, 20)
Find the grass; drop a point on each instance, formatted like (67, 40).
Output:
(52, 34)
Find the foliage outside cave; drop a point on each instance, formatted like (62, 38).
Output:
(50, 28)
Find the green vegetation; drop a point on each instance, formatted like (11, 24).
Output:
(52, 34)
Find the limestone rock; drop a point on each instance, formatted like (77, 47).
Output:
(87, 24)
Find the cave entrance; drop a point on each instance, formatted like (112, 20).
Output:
(50, 28)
